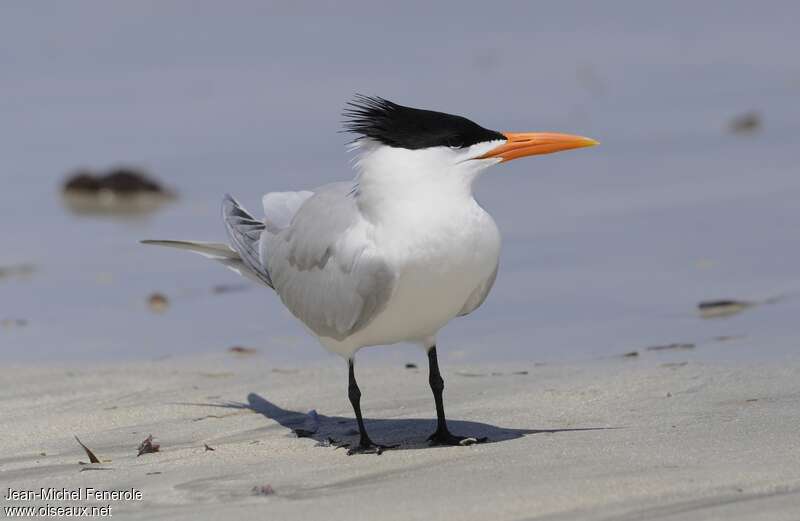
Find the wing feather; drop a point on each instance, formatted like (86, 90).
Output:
(245, 234)
(324, 265)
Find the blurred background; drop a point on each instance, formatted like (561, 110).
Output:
(693, 195)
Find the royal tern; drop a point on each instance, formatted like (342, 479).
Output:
(396, 253)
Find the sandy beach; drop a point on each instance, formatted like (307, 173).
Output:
(613, 439)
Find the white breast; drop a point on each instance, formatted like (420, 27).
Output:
(440, 258)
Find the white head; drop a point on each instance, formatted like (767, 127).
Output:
(406, 151)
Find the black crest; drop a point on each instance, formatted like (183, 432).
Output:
(406, 127)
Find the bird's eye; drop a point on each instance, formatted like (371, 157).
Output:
(455, 142)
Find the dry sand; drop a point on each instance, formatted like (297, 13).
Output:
(618, 439)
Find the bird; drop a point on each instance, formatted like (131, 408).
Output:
(394, 254)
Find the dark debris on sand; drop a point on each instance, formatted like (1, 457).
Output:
(119, 181)
(263, 490)
(89, 453)
(722, 308)
(120, 192)
(23, 270)
(745, 123)
(330, 442)
(147, 446)
(670, 347)
(241, 350)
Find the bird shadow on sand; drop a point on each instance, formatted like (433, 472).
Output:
(407, 433)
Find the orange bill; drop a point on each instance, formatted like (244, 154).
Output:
(521, 144)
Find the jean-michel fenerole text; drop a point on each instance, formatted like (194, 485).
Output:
(74, 494)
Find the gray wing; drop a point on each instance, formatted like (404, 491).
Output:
(479, 294)
(325, 267)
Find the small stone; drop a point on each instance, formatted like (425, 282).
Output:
(158, 302)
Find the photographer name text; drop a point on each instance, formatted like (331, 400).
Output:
(76, 494)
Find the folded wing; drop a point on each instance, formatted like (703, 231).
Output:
(323, 263)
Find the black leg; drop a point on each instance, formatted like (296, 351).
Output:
(365, 445)
(442, 435)
(437, 386)
(355, 399)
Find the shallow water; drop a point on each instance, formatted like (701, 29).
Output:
(606, 250)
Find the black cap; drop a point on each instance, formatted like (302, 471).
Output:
(405, 127)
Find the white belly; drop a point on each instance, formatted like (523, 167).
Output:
(439, 266)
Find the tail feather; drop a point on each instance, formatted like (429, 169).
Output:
(212, 250)
(222, 253)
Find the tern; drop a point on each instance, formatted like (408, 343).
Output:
(392, 255)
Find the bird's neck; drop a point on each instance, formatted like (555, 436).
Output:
(393, 183)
